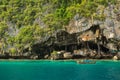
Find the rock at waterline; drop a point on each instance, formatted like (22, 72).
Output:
(115, 58)
(67, 55)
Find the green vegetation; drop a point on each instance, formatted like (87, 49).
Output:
(54, 53)
(12, 51)
(30, 20)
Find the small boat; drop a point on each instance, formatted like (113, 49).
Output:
(86, 62)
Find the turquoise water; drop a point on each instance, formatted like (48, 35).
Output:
(59, 70)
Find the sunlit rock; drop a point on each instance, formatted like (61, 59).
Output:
(67, 55)
(115, 58)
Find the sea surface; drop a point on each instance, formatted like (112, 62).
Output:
(58, 70)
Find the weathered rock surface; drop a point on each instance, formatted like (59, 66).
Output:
(115, 58)
(67, 55)
(118, 55)
(93, 47)
(81, 35)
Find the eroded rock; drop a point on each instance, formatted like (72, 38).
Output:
(115, 57)
(67, 55)
(62, 40)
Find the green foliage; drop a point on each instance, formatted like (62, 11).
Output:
(35, 19)
(54, 53)
(52, 12)
(27, 36)
(12, 51)
(1, 45)
(3, 29)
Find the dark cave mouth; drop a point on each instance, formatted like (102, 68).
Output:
(70, 48)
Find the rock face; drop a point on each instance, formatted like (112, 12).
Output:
(57, 55)
(67, 55)
(115, 58)
(110, 24)
(89, 37)
(63, 38)
(118, 55)
(81, 34)
(95, 46)
(34, 57)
